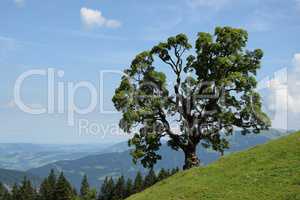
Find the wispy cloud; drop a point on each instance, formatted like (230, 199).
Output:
(215, 4)
(297, 4)
(94, 18)
(259, 22)
(4, 38)
(7, 45)
(92, 35)
(19, 3)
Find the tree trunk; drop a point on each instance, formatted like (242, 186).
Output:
(191, 158)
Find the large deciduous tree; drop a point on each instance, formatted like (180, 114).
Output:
(213, 92)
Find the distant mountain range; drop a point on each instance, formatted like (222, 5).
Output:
(22, 156)
(118, 163)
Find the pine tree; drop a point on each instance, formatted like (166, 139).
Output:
(168, 173)
(128, 188)
(15, 194)
(103, 190)
(162, 174)
(85, 187)
(63, 189)
(174, 171)
(4, 194)
(138, 183)
(91, 195)
(44, 191)
(52, 180)
(119, 189)
(47, 187)
(107, 189)
(110, 188)
(74, 190)
(26, 191)
(150, 179)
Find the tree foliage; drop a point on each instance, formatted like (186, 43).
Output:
(85, 187)
(213, 93)
(107, 189)
(4, 194)
(27, 191)
(63, 189)
(150, 179)
(47, 188)
(121, 189)
(138, 183)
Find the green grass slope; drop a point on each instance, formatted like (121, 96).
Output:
(269, 171)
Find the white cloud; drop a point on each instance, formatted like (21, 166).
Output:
(94, 18)
(294, 86)
(296, 62)
(19, 3)
(111, 23)
(284, 97)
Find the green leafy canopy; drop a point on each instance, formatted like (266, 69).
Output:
(213, 93)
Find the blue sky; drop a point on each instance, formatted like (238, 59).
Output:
(84, 37)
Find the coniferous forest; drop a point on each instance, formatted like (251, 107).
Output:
(57, 187)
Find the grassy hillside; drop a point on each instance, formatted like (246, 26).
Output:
(269, 171)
